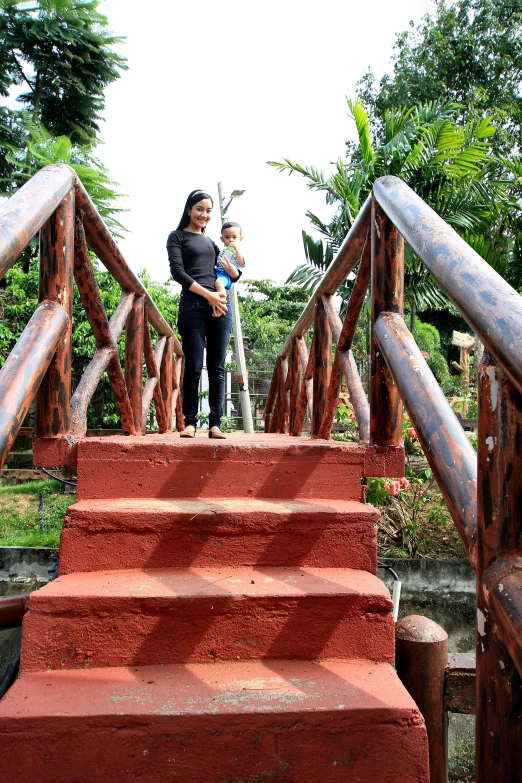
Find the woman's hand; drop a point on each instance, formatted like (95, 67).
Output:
(229, 268)
(218, 302)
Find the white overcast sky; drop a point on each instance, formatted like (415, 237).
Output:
(214, 90)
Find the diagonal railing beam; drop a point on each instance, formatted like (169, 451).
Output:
(102, 243)
(447, 448)
(345, 363)
(347, 258)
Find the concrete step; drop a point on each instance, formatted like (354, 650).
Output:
(146, 533)
(138, 618)
(264, 466)
(277, 721)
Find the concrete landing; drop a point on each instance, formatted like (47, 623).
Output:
(276, 721)
(137, 618)
(265, 466)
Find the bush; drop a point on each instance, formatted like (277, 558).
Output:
(428, 340)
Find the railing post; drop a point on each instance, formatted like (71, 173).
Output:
(166, 380)
(177, 387)
(294, 385)
(281, 409)
(53, 399)
(387, 295)
(499, 528)
(322, 364)
(421, 657)
(270, 406)
(134, 359)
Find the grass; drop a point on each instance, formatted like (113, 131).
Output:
(32, 514)
(462, 765)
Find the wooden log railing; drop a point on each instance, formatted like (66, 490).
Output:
(55, 203)
(483, 492)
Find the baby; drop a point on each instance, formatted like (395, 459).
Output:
(231, 236)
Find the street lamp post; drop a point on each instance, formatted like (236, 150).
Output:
(242, 373)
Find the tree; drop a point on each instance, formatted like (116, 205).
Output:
(42, 149)
(449, 165)
(268, 314)
(469, 52)
(61, 51)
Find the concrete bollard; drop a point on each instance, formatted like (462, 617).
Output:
(421, 657)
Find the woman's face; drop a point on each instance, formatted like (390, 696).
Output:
(200, 214)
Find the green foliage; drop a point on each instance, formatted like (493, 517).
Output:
(409, 437)
(415, 520)
(61, 52)
(44, 486)
(41, 149)
(462, 763)
(426, 336)
(449, 164)
(21, 520)
(469, 52)
(428, 339)
(344, 415)
(268, 314)
(376, 495)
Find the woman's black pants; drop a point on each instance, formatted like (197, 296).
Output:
(197, 325)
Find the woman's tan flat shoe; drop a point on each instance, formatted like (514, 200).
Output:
(216, 433)
(188, 432)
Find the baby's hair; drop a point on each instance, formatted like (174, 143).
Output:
(194, 198)
(231, 224)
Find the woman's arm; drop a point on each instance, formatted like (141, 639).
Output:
(177, 269)
(216, 299)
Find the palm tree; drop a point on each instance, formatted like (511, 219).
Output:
(449, 165)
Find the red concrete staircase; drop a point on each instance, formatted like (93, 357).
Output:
(218, 620)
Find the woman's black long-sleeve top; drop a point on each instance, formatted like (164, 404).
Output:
(192, 259)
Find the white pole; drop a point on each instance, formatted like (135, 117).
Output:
(242, 373)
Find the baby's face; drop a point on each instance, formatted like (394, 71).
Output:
(232, 234)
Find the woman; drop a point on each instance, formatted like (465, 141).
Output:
(204, 314)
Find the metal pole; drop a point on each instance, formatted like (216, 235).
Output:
(242, 373)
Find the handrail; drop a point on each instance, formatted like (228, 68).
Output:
(55, 203)
(21, 375)
(484, 491)
(23, 215)
(490, 306)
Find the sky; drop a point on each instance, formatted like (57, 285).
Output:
(215, 90)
